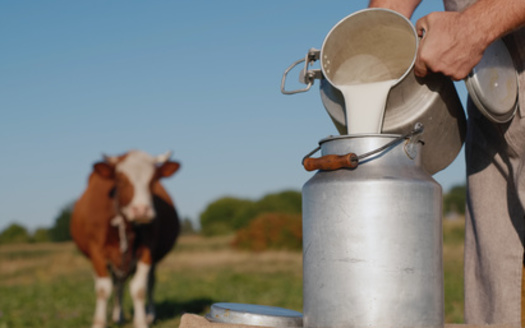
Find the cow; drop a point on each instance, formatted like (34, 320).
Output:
(125, 222)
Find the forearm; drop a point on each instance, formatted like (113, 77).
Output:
(492, 19)
(404, 7)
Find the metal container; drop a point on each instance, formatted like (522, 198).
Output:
(372, 237)
(433, 100)
(254, 315)
(493, 84)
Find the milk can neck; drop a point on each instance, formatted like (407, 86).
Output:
(374, 149)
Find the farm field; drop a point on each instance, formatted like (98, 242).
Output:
(51, 285)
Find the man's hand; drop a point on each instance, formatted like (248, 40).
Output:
(453, 43)
(448, 45)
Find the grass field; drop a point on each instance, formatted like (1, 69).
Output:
(51, 285)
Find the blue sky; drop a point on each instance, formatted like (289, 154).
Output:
(200, 78)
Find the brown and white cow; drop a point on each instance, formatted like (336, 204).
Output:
(125, 222)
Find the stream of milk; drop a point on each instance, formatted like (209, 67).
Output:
(365, 82)
(365, 105)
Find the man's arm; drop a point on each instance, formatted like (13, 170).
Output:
(453, 43)
(404, 7)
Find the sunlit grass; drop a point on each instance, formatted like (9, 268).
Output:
(453, 237)
(51, 285)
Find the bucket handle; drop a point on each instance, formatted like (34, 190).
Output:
(331, 162)
(351, 161)
(306, 76)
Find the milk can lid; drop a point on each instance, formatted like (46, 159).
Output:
(493, 84)
(255, 315)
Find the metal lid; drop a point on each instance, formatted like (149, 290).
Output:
(493, 84)
(255, 315)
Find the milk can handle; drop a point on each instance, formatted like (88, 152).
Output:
(307, 76)
(331, 162)
(351, 160)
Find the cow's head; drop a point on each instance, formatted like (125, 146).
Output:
(135, 174)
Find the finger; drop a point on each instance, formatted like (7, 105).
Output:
(420, 66)
(420, 69)
(421, 27)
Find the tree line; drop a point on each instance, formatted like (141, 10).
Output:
(226, 215)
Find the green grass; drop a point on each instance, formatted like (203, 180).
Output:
(51, 285)
(453, 237)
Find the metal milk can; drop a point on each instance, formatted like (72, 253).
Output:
(372, 235)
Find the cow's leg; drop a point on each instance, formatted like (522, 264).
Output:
(103, 287)
(150, 308)
(138, 289)
(118, 313)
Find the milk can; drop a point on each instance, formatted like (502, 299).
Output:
(372, 235)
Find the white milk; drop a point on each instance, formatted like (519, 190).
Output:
(365, 82)
(365, 105)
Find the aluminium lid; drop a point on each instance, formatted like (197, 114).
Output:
(493, 84)
(255, 315)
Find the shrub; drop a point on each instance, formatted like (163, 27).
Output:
(41, 235)
(271, 231)
(60, 231)
(14, 233)
(454, 200)
(218, 218)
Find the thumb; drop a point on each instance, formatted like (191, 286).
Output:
(420, 68)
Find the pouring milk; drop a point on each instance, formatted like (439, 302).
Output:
(365, 82)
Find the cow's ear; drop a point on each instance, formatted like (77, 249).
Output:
(105, 170)
(167, 169)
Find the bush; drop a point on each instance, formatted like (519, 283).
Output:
(14, 233)
(41, 235)
(287, 201)
(186, 227)
(228, 214)
(271, 231)
(220, 216)
(454, 200)
(60, 231)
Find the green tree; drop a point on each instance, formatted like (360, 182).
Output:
(288, 201)
(14, 233)
(228, 214)
(454, 200)
(186, 227)
(41, 235)
(219, 217)
(60, 231)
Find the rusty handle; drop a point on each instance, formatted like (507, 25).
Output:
(331, 162)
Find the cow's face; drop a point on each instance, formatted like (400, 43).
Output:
(135, 174)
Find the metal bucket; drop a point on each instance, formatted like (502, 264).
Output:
(372, 238)
(432, 100)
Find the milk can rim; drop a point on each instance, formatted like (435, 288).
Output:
(253, 314)
(358, 136)
(409, 69)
